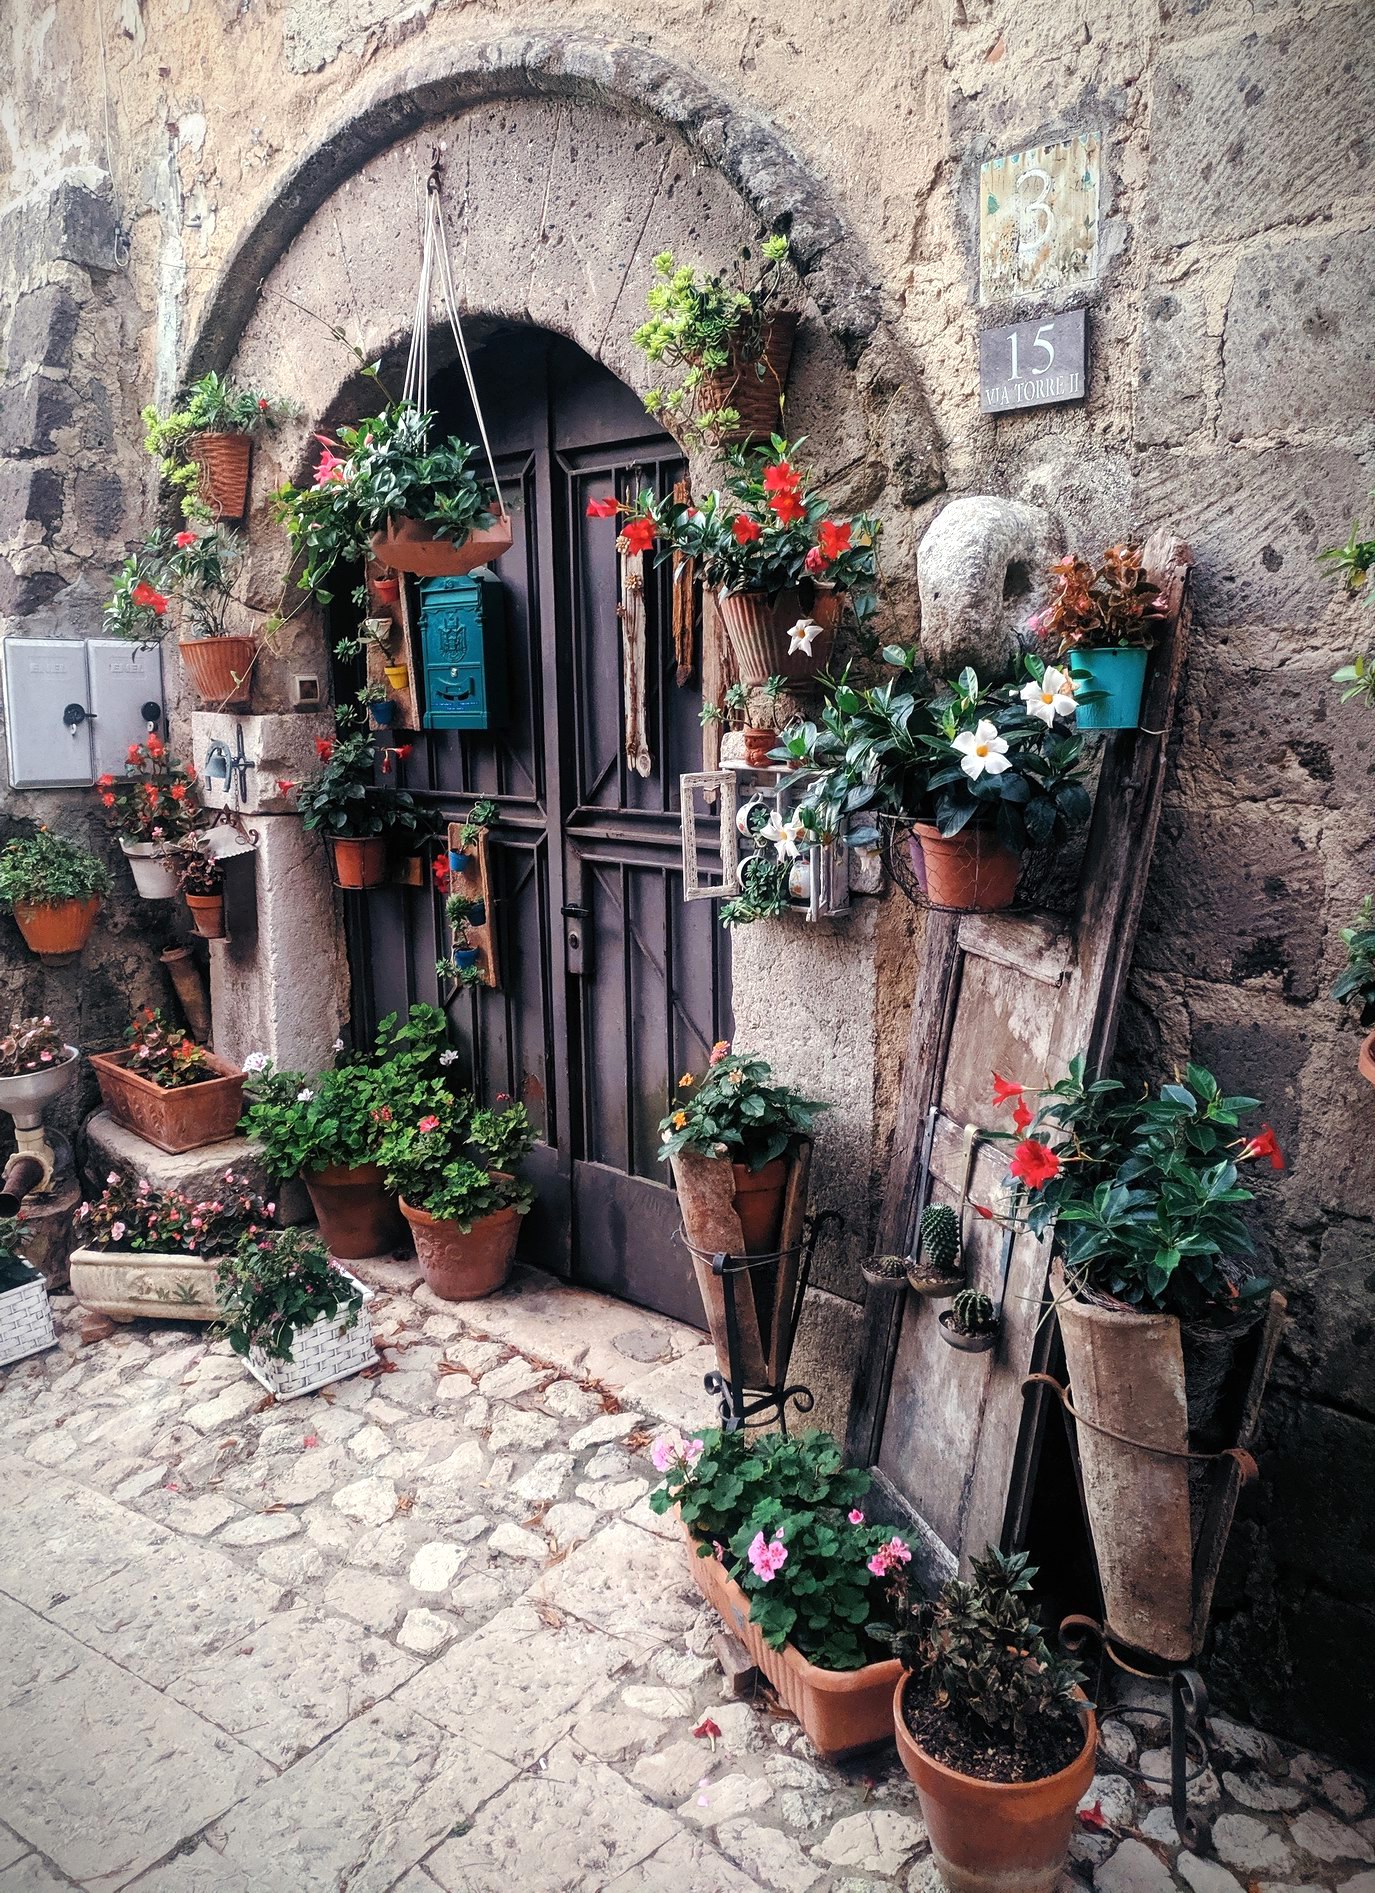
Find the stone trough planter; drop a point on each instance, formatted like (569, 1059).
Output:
(177, 1117)
(155, 1285)
(842, 1711)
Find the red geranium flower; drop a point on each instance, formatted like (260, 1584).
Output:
(148, 598)
(815, 562)
(1004, 1088)
(178, 791)
(1265, 1145)
(430, 1123)
(1035, 1164)
(603, 509)
(105, 782)
(134, 753)
(746, 530)
(833, 538)
(108, 799)
(156, 746)
(184, 539)
(638, 535)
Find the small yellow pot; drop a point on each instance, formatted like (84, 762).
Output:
(397, 675)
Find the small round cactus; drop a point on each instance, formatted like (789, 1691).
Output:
(972, 1312)
(884, 1271)
(939, 1248)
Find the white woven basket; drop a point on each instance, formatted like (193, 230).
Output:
(327, 1350)
(26, 1320)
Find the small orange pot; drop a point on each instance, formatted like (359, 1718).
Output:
(995, 1836)
(207, 915)
(56, 930)
(758, 743)
(971, 871)
(223, 460)
(359, 861)
(459, 1267)
(221, 669)
(759, 1203)
(1365, 1063)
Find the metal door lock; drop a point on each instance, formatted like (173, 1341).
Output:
(75, 715)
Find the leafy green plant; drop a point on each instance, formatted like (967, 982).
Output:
(1144, 1191)
(385, 466)
(277, 1283)
(195, 571)
(197, 870)
(1097, 609)
(134, 1217)
(212, 405)
(977, 1652)
(343, 798)
(1353, 564)
(1356, 986)
(164, 1054)
(763, 890)
(480, 816)
(31, 1045)
(702, 324)
(734, 1111)
(47, 869)
(14, 1268)
(449, 1156)
(155, 799)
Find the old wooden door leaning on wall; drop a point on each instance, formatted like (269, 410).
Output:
(1021, 993)
(610, 985)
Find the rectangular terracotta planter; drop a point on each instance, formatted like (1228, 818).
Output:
(183, 1117)
(154, 1284)
(842, 1711)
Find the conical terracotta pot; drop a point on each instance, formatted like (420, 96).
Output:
(995, 1836)
(356, 1213)
(223, 460)
(759, 1203)
(410, 545)
(359, 861)
(971, 871)
(459, 1267)
(56, 930)
(221, 669)
(758, 628)
(1365, 1063)
(757, 397)
(207, 915)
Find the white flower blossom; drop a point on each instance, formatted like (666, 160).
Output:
(304, 1095)
(448, 1058)
(783, 835)
(1052, 697)
(982, 749)
(338, 1045)
(256, 1061)
(801, 635)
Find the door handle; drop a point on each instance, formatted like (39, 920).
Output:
(574, 910)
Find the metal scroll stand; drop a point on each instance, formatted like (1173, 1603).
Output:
(741, 1405)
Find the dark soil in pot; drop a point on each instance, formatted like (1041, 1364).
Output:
(960, 1741)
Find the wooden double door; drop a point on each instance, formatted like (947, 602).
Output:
(610, 985)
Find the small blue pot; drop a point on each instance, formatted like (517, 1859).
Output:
(1108, 685)
(465, 957)
(461, 863)
(477, 914)
(383, 714)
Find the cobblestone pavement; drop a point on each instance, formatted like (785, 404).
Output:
(421, 1630)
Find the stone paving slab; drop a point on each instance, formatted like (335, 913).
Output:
(421, 1632)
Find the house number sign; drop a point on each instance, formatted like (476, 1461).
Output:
(1031, 364)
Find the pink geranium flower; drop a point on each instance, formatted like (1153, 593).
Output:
(883, 1560)
(430, 1123)
(856, 1517)
(767, 1560)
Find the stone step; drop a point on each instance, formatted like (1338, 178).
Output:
(107, 1146)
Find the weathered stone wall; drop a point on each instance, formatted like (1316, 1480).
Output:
(1232, 327)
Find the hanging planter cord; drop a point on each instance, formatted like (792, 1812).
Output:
(435, 259)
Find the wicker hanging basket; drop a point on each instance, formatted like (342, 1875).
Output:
(224, 461)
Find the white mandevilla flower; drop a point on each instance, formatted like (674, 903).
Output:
(783, 835)
(447, 1058)
(981, 750)
(338, 1045)
(801, 636)
(1052, 697)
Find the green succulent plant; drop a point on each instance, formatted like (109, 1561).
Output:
(972, 1312)
(939, 1232)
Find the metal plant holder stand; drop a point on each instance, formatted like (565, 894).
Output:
(742, 1405)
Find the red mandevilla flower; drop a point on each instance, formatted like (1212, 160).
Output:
(184, 539)
(148, 598)
(1004, 1088)
(746, 530)
(324, 747)
(603, 509)
(833, 538)
(638, 535)
(1034, 1164)
(1021, 1117)
(1264, 1145)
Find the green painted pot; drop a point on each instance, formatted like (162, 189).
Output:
(1108, 685)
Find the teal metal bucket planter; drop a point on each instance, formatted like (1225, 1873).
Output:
(1107, 686)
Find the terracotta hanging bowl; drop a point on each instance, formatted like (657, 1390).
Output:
(410, 545)
(223, 460)
(221, 669)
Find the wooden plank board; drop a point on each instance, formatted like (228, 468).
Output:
(1020, 994)
(476, 884)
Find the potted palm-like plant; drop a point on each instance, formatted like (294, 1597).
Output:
(359, 817)
(167, 1088)
(1356, 986)
(730, 340)
(783, 569)
(1103, 622)
(151, 807)
(195, 571)
(992, 1727)
(385, 490)
(453, 1163)
(204, 445)
(1156, 1299)
(53, 887)
(297, 1319)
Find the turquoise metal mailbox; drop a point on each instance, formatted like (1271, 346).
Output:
(463, 641)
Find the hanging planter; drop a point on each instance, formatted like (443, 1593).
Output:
(56, 930)
(754, 382)
(398, 676)
(154, 876)
(359, 860)
(410, 545)
(970, 1323)
(54, 887)
(1108, 686)
(885, 1271)
(223, 461)
(221, 669)
(972, 871)
(758, 625)
(207, 915)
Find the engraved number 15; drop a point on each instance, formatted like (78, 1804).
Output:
(1042, 341)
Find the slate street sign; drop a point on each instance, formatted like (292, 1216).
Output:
(1032, 364)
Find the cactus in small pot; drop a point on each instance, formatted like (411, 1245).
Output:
(884, 1271)
(972, 1312)
(939, 1248)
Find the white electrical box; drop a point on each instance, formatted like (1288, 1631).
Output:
(74, 705)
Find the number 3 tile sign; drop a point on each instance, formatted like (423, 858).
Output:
(1038, 219)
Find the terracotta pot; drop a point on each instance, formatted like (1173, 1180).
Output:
(971, 871)
(387, 591)
(459, 1267)
(357, 1215)
(754, 389)
(759, 1203)
(207, 915)
(221, 669)
(995, 1836)
(359, 861)
(758, 743)
(223, 460)
(758, 628)
(182, 1117)
(56, 930)
(409, 545)
(1365, 1062)
(842, 1711)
